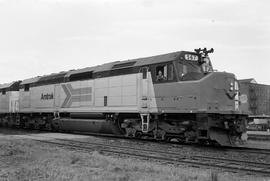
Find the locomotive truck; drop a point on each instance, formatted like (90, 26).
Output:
(170, 96)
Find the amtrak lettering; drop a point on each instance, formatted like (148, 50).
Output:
(46, 96)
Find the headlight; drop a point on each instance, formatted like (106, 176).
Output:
(231, 86)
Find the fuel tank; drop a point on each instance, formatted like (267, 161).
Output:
(102, 126)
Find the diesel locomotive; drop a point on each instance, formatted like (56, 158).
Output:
(171, 96)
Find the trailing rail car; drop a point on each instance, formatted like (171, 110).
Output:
(170, 96)
(9, 103)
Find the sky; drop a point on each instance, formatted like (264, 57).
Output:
(39, 37)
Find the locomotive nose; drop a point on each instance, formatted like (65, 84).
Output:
(232, 90)
(221, 92)
(232, 87)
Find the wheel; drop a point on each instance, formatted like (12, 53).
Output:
(48, 127)
(36, 126)
(55, 127)
(26, 125)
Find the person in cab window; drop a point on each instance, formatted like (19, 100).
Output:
(160, 76)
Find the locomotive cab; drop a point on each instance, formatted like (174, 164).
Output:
(189, 66)
(191, 102)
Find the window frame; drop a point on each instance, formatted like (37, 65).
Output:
(185, 63)
(154, 72)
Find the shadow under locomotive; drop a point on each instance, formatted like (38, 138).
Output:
(18, 131)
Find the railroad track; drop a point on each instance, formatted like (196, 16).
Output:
(258, 151)
(232, 165)
(258, 137)
(173, 144)
(176, 144)
(169, 156)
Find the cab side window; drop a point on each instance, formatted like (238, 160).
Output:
(161, 73)
(164, 73)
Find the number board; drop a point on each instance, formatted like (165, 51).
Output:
(191, 57)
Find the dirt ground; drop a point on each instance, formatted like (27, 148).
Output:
(22, 158)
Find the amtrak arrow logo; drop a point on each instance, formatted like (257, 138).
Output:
(231, 95)
(68, 95)
(76, 95)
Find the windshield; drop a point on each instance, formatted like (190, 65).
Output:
(189, 70)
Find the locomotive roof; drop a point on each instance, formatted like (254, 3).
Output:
(44, 78)
(52, 76)
(157, 59)
(10, 86)
(138, 62)
(30, 80)
(130, 63)
(6, 85)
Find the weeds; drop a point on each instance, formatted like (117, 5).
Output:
(31, 161)
(74, 159)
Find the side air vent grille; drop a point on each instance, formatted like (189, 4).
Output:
(122, 65)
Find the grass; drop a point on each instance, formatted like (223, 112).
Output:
(29, 160)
